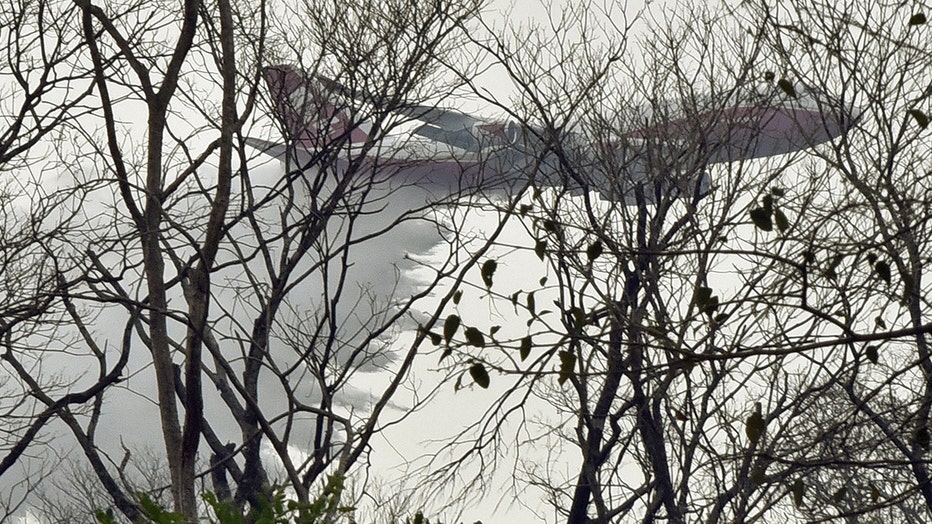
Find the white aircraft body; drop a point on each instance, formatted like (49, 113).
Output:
(449, 150)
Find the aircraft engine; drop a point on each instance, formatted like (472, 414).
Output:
(512, 132)
(497, 133)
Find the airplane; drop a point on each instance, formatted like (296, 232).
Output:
(449, 151)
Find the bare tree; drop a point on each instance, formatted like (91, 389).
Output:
(199, 277)
(736, 356)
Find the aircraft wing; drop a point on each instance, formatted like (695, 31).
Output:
(753, 131)
(447, 126)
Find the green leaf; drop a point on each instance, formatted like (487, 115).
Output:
(831, 271)
(787, 87)
(883, 271)
(579, 318)
(919, 117)
(594, 250)
(450, 325)
(871, 353)
(542, 281)
(761, 219)
(474, 337)
(105, 517)
(768, 203)
(525, 349)
(839, 495)
(799, 489)
(156, 513)
(923, 438)
(754, 427)
(705, 301)
(488, 269)
(567, 362)
(759, 473)
(457, 296)
(702, 296)
(711, 307)
(479, 375)
(540, 248)
(782, 223)
(917, 19)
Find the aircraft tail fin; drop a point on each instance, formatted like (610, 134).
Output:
(313, 113)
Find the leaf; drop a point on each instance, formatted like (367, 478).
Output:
(474, 337)
(754, 427)
(883, 271)
(787, 87)
(705, 301)
(879, 322)
(156, 513)
(594, 250)
(450, 325)
(530, 303)
(542, 281)
(540, 248)
(871, 353)
(917, 19)
(777, 191)
(435, 339)
(769, 76)
(919, 117)
(701, 296)
(758, 474)
(923, 438)
(875, 493)
(782, 223)
(579, 318)
(105, 517)
(488, 269)
(525, 349)
(457, 296)
(839, 495)
(831, 272)
(567, 362)
(710, 308)
(552, 226)
(761, 219)
(768, 203)
(524, 209)
(479, 375)
(799, 489)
